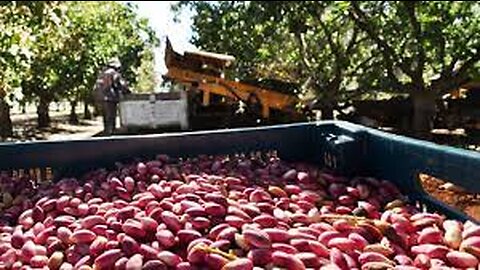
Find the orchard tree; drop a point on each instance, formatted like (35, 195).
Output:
(15, 42)
(40, 84)
(341, 49)
(74, 41)
(103, 30)
(53, 50)
(425, 49)
(328, 53)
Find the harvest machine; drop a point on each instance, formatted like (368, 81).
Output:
(214, 99)
(202, 98)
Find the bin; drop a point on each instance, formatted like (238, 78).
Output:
(343, 147)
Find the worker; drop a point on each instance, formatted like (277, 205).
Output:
(109, 87)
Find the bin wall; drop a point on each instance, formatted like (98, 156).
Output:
(343, 147)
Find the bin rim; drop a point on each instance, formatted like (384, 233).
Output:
(349, 126)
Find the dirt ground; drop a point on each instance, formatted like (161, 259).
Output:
(452, 195)
(25, 128)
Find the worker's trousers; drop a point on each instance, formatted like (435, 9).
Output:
(109, 111)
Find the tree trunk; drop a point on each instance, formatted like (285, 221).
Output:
(424, 111)
(327, 105)
(327, 113)
(42, 113)
(6, 129)
(86, 111)
(73, 118)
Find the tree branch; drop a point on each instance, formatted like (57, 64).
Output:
(417, 32)
(353, 41)
(361, 67)
(397, 86)
(388, 53)
(306, 83)
(303, 50)
(451, 66)
(393, 87)
(453, 80)
(332, 44)
(441, 54)
(337, 51)
(468, 64)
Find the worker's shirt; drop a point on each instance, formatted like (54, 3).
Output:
(110, 85)
(112, 93)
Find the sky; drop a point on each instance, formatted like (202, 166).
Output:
(161, 20)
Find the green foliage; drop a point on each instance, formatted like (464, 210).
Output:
(48, 30)
(103, 30)
(55, 49)
(422, 45)
(343, 50)
(15, 46)
(146, 77)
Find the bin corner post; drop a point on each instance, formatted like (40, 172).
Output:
(339, 150)
(349, 150)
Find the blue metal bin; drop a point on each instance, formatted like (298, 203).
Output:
(346, 148)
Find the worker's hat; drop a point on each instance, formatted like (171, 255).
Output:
(114, 62)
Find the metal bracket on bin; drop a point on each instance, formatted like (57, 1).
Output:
(342, 153)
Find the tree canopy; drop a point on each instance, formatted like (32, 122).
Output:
(53, 50)
(341, 50)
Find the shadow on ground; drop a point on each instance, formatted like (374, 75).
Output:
(59, 128)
